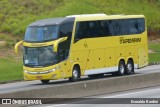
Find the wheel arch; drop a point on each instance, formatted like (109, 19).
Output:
(130, 58)
(121, 59)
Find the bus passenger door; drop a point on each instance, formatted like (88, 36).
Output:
(64, 50)
(62, 56)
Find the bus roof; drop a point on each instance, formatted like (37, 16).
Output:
(52, 21)
(82, 17)
(87, 17)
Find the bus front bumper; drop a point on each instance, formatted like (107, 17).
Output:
(41, 75)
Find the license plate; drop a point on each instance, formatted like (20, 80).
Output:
(39, 77)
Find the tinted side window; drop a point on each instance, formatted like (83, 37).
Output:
(105, 28)
(100, 29)
(63, 47)
(111, 27)
(66, 30)
(141, 25)
(117, 27)
(133, 26)
(125, 27)
(91, 29)
(82, 30)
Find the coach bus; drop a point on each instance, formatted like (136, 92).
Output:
(88, 44)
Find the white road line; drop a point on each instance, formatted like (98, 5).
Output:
(56, 105)
(146, 91)
(113, 96)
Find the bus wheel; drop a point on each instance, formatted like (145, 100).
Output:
(45, 81)
(129, 67)
(121, 68)
(75, 74)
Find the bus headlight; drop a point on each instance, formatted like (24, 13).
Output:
(42, 72)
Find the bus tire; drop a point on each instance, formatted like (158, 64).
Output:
(45, 81)
(130, 67)
(75, 74)
(121, 68)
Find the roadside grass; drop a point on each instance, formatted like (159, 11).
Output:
(155, 47)
(155, 56)
(10, 69)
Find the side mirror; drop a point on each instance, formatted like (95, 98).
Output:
(55, 46)
(17, 46)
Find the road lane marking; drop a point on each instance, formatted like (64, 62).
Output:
(146, 91)
(56, 105)
(112, 96)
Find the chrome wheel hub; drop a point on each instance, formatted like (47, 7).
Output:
(129, 67)
(122, 69)
(75, 74)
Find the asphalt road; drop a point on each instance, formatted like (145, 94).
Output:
(109, 100)
(27, 85)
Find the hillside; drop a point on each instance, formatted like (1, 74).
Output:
(15, 15)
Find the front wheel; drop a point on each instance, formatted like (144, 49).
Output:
(45, 81)
(75, 74)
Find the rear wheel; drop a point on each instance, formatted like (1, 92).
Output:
(75, 74)
(121, 68)
(45, 81)
(130, 67)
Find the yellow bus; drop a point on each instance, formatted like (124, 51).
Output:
(88, 44)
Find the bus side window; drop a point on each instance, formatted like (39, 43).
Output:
(99, 26)
(133, 26)
(63, 47)
(105, 28)
(111, 27)
(78, 34)
(92, 29)
(117, 27)
(82, 30)
(125, 27)
(137, 27)
(66, 30)
(141, 25)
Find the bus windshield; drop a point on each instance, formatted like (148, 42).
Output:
(41, 33)
(41, 56)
